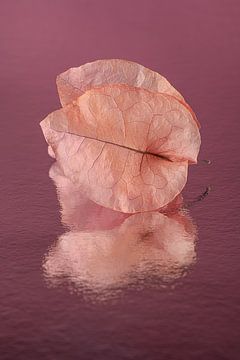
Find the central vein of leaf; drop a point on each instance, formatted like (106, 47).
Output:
(119, 145)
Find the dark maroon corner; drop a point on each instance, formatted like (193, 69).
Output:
(195, 44)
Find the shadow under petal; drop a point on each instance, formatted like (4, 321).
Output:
(106, 251)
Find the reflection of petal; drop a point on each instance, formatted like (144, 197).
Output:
(109, 249)
(144, 243)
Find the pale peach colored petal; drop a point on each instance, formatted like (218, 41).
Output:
(75, 81)
(127, 148)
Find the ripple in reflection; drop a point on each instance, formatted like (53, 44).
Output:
(106, 251)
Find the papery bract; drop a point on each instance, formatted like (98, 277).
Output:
(127, 148)
(75, 81)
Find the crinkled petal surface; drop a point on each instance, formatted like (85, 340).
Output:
(127, 147)
(75, 81)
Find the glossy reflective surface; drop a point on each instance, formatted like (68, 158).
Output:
(182, 303)
(104, 252)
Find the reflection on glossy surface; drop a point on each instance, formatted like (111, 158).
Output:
(196, 45)
(107, 250)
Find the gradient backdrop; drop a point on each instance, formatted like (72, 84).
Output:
(196, 45)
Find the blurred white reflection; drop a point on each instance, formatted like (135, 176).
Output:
(106, 250)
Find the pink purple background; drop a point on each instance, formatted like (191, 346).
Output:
(195, 44)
